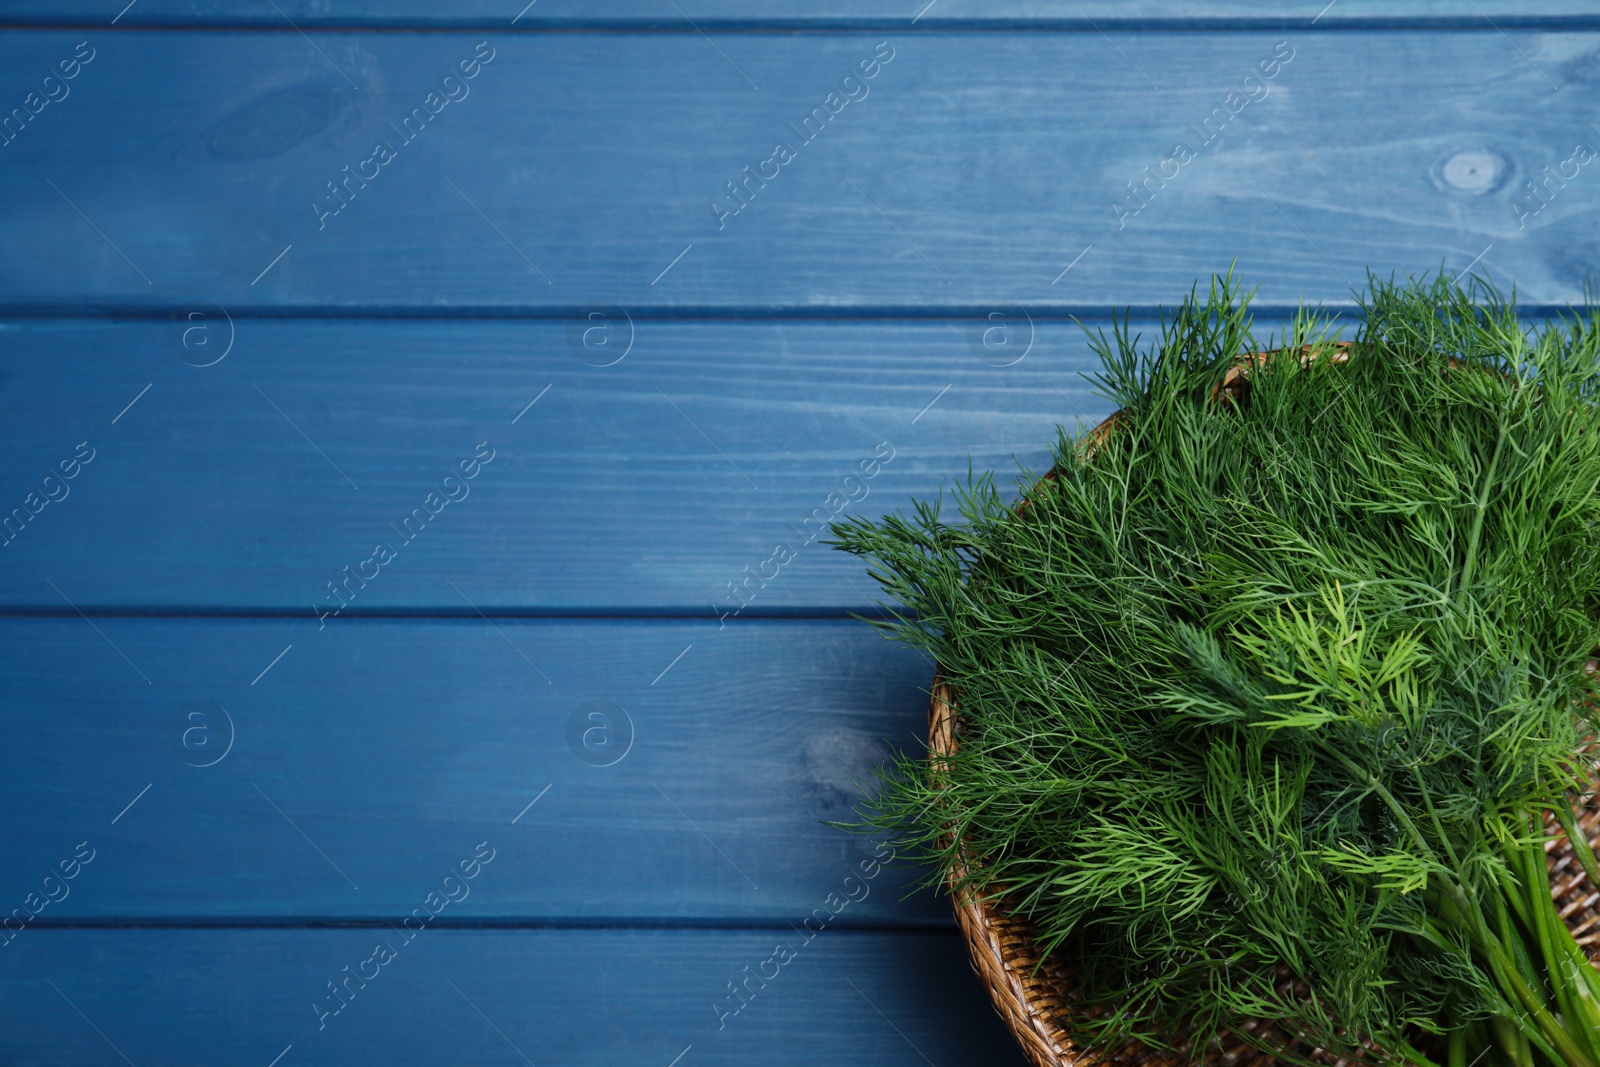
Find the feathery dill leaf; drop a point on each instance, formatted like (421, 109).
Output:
(1266, 693)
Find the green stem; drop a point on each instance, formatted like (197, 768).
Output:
(1544, 940)
(1580, 843)
(1401, 815)
(1572, 987)
(1500, 962)
(1560, 1041)
(1511, 893)
(1513, 1042)
(1586, 859)
(1476, 536)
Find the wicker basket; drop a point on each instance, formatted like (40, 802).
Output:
(1035, 1000)
(1034, 1005)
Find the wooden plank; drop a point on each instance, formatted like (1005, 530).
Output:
(582, 168)
(624, 488)
(367, 760)
(496, 997)
(713, 14)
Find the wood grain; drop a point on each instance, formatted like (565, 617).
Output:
(582, 169)
(711, 14)
(206, 997)
(624, 488)
(219, 397)
(368, 759)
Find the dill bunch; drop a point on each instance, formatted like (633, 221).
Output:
(1267, 693)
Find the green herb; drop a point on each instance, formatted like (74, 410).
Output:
(1267, 693)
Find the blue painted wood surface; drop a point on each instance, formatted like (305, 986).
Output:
(648, 485)
(583, 408)
(342, 782)
(216, 997)
(974, 169)
(966, 15)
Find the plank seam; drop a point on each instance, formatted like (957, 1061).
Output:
(1047, 312)
(917, 927)
(775, 613)
(932, 26)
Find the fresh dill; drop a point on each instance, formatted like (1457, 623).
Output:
(1266, 692)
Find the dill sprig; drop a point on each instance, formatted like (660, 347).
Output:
(1267, 692)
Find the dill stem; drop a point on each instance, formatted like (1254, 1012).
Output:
(1500, 960)
(1539, 913)
(1476, 537)
(1572, 988)
(1561, 1042)
(1580, 843)
(1513, 1042)
(1180, 760)
(1503, 955)
(1516, 947)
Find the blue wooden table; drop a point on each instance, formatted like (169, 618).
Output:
(420, 420)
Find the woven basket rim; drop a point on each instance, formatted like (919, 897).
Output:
(1033, 1000)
